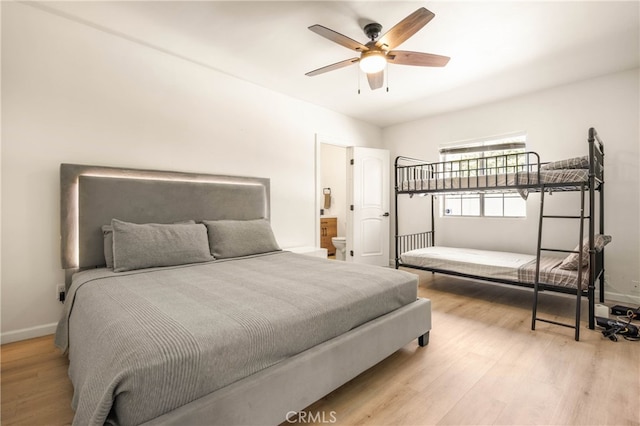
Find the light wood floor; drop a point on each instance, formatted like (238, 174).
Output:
(483, 365)
(35, 387)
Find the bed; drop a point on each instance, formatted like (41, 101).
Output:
(521, 172)
(498, 266)
(231, 329)
(568, 271)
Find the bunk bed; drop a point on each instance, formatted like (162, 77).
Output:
(576, 273)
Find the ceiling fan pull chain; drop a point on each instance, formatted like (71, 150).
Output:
(387, 76)
(358, 72)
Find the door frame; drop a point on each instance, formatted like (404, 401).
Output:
(327, 140)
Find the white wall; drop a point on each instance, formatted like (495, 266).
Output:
(74, 94)
(556, 122)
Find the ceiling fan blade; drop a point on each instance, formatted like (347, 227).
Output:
(336, 37)
(403, 57)
(405, 29)
(376, 79)
(332, 67)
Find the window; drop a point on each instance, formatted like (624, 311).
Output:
(484, 157)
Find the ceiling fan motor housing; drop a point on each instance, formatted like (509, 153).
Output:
(372, 30)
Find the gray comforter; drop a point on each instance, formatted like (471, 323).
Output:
(145, 342)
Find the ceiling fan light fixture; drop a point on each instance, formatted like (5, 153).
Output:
(372, 61)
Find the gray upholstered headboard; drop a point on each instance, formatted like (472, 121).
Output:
(90, 196)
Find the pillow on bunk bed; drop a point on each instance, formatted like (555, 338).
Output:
(571, 163)
(571, 261)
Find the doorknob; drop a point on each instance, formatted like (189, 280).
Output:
(386, 214)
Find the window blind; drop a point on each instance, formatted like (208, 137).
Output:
(482, 148)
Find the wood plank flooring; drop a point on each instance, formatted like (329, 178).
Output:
(483, 365)
(35, 386)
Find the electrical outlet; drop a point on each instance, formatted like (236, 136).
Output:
(60, 289)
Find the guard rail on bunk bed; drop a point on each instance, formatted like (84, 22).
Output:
(523, 173)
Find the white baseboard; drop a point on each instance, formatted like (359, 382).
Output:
(28, 333)
(634, 301)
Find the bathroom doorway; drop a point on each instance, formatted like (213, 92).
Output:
(333, 190)
(355, 176)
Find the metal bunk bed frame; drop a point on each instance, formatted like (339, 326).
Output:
(407, 168)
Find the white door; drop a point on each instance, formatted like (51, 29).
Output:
(368, 214)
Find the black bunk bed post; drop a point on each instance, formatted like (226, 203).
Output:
(592, 251)
(397, 261)
(596, 181)
(433, 225)
(601, 216)
(580, 260)
(536, 283)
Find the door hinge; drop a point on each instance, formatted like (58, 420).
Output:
(351, 162)
(351, 253)
(351, 207)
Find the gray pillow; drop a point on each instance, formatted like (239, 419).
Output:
(235, 238)
(571, 262)
(152, 244)
(107, 234)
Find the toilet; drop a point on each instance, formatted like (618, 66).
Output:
(340, 243)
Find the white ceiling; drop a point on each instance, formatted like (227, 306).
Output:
(497, 49)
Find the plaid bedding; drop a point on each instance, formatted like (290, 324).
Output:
(515, 267)
(550, 273)
(571, 177)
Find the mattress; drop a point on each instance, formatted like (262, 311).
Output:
(142, 343)
(484, 263)
(515, 267)
(570, 176)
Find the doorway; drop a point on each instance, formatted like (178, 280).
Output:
(358, 181)
(333, 193)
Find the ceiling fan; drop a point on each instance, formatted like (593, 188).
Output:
(376, 54)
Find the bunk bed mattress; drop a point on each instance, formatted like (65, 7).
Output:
(144, 342)
(559, 176)
(515, 267)
(484, 263)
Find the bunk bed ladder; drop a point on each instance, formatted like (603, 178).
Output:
(539, 286)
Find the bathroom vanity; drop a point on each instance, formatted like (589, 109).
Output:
(328, 230)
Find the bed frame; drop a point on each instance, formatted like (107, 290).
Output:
(92, 195)
(526, 165)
